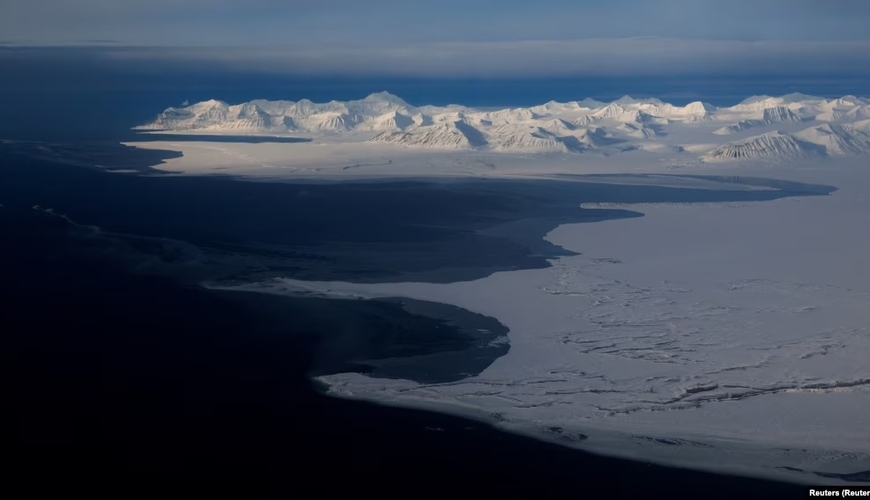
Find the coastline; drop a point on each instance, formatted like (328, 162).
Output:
(551, 292)
(606, 262)
(748, 456)
(384, 337)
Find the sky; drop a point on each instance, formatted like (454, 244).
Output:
(454, 38)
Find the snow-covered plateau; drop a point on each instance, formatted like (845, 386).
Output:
(762, 127)
(732, 337)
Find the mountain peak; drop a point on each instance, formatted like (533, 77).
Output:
(627, 99)
(385, 96)
(590, 103)
(209, 104)
(755, 98)
(798, 97)
(700, 106)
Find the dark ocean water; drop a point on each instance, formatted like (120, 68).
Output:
(131, 386)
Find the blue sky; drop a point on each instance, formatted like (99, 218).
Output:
(467, 38)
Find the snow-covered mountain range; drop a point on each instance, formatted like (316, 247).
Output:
(760, 127)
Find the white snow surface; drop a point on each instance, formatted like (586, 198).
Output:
(735, 334)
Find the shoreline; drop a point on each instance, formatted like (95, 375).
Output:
(562, 296)
(429, 343)
(614, 440)
(529, 287)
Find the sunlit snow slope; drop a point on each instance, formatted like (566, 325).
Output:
(760, 127)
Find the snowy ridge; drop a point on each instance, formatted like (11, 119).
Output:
(769, 116)
(839, 139)
(770, 145)
(785, 126)
(828, 139)
(779, 114)
(455, 135)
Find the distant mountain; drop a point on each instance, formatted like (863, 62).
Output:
(451, 135)
(839, 139)
(813, 125)
(820, 140)
(776, 114)
(770, 145)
